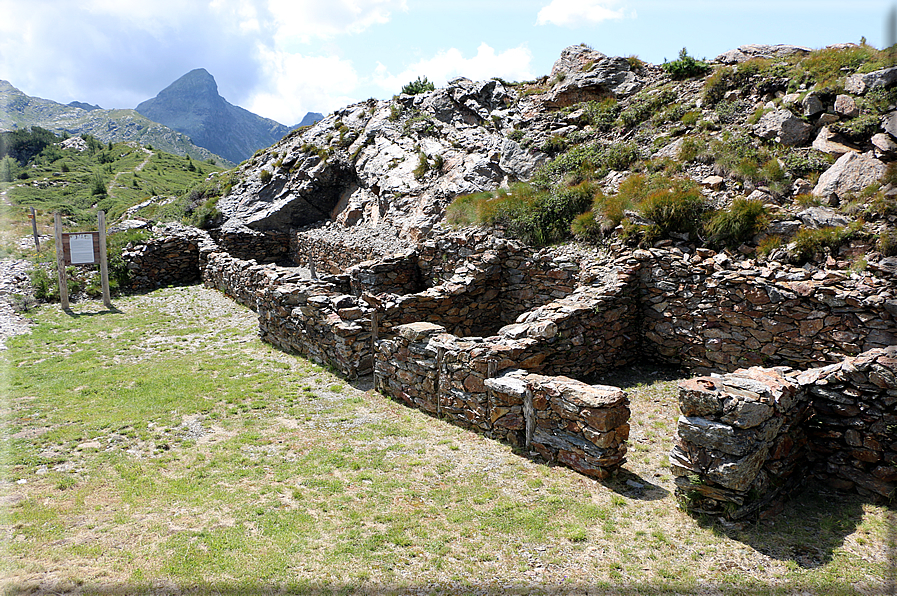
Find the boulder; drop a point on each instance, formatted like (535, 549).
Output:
(827, 142)
(858, 84)
(851, 173)
(846, 106)
(784, 127)
(889, 123)
(884, 143)
(812, 105)
(822, 217)
(582, 74)
(746, 52)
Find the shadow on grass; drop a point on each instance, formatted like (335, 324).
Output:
(812, 526)
(112, 310)
(632, 486)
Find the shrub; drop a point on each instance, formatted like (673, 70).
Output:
(98, 185)
(808, 243)
(887, 243)
(265, 176)
(534, 216)
(418, 86)
(602, 114)
(677, 208)
(686, 67)
(644, 105)
(46, 286)
(423, 165)
(738, 223)
(857, 129)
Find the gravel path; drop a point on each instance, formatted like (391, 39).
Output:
(13, 282)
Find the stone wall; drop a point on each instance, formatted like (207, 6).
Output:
(171, 257)
(262, 247)
(746, 438)
(509, 308)
(740, 441)
(853, 435)
(582, 426)
(398, 274)
(704, 313)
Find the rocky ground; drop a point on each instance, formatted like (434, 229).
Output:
(14, 288)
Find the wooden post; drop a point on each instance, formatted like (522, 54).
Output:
(34, 229)
(104, 265)
(60, 263)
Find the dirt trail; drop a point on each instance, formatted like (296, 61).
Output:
(136, 169)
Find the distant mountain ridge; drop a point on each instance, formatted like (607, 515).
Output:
(19, 110)
(192, 105)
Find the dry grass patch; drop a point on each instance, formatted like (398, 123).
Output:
(221, 465)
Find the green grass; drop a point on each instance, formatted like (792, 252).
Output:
(161, 444)
(50, 188)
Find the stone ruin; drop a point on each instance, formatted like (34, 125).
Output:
(799, 365)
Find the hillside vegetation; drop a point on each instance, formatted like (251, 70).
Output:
(78, 177)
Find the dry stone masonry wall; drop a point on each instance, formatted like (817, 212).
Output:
(747, 437)
(707, 314)
(543, 320)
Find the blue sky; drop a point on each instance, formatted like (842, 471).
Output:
(283, 58)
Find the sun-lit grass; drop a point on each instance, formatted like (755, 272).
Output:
(162, 444)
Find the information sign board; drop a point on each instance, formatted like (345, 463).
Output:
(82, 248)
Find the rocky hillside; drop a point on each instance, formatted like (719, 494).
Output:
(192, 105)
(21, 111)
(774, 138)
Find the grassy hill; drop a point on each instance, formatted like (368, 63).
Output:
(21, 111)
(111, 177)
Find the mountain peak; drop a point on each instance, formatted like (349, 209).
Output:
(192, 105)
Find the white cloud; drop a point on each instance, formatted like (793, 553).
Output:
(512, 64)
(575, 13)
(294, 84)
(306, 19)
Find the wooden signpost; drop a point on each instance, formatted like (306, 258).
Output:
(81, 248)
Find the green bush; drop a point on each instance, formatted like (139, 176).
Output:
(535, 216)
(423, 165)
(46, 286)
(742, 220)
(677, 207)
(644, 105)
(857, 129)
(686, 67)
(418, 86)
(887, 242)
(808, 243)
(265, 176)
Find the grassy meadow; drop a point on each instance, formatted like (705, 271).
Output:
(161, 448)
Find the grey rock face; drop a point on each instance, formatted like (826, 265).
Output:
(396, 162)
(598, 77)
(746, 52)
(859, 84)
(851, 173)
(784, 127)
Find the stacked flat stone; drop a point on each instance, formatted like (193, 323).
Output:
(261, 246)
(705, 313)
(581, 426)
(170, 257)
(854, 431)
(740, 441)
